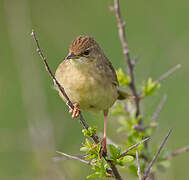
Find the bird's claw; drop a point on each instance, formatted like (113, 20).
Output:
(75, 111)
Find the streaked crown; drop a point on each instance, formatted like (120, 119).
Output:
(81, 43)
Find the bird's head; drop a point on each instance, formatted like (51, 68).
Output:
(85, 49)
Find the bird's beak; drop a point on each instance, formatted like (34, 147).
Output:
(72, 56)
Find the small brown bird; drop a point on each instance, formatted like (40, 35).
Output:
(89, 79)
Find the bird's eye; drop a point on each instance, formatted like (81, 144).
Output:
(86, 52)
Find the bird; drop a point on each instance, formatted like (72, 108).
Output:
(89, 80)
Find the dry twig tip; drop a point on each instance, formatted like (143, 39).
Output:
(134, 146)
(147, 170)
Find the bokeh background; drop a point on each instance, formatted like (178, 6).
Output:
(34, 121)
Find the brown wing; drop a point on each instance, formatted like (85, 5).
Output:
(111, 72)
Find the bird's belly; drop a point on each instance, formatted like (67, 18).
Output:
(89, 91)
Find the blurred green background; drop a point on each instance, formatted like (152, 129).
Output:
(34, 121)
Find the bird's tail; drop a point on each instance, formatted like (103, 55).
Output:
(123, 95)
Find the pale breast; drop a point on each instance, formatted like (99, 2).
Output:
(91, 90)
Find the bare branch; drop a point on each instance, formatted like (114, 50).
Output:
(168, 73)
(69, 103)
(147, 170)
(122, 35)
(74, 157)
(134, 146)
(154, 118)
(178, 151)
(139, 127)
(159, 108)
(138, 167)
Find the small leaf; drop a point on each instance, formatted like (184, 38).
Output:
(115, 152)
(85, 132)
(90, 157)
(150, 87)
(95, 175)
(122, 78)
(88, 143)
(110, 158)
(84, 149)
(90, 131)
(127, 159)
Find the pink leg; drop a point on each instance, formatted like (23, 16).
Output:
(103, 142)
(105, 122)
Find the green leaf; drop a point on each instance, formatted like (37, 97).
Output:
(127, 159)
(84, 149)
(115, 152)
(91, 157)
(90, 131)
(110, 158)
(85, 132)
(88, 143)
(150, 87)
(95, 175)
(122, 78)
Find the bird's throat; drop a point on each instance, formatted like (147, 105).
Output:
(77, 62)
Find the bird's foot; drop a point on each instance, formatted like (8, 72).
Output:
(75, 111)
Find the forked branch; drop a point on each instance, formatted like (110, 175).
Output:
(122, 35)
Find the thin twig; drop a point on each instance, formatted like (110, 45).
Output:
(147, 170)
(138, 167)
(74, 157)
(154, 117)
(159, 108)
(139, 127)
(178, 151)
(69, 103)
(122, 35)
(134, 146)
(168, 73)
(79, 158)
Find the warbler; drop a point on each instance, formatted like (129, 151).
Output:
(89, 79)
